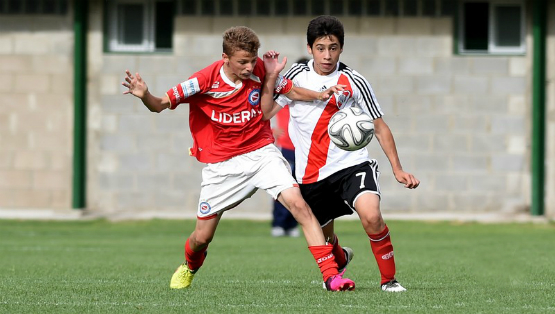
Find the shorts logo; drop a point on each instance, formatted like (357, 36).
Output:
(254, 97)
(204, 207)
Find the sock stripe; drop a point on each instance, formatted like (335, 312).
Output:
(380, 239)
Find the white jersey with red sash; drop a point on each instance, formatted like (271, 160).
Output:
(316, 157)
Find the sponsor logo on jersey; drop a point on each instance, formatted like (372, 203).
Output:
(190, 87)
(388, 255)
(323, 88)
(216, 84)
(254, 97)
(176, 94)
(281, 82)
(236, 117)
(204, 207)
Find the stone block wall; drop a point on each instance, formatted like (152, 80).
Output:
(460, 122)
(36, 112)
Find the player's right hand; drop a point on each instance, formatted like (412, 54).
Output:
(135, 85)
(271, 64)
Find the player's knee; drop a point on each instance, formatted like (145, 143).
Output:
(372, 220)
(300, 209)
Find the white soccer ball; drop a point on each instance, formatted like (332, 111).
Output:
(351, 129)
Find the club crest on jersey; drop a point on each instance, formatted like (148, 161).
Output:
(204, 207)
(254, 97)
(342, 98)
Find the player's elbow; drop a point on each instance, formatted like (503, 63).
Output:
(156, 109)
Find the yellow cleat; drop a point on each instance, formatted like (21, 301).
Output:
(182, 278)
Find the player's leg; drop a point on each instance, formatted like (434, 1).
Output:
(292, 200)
(367, 206)
(279, 218)
(362, 192)
(195, 251)
(224, 186)
(343, 255)
(274, 176)
(322, 252)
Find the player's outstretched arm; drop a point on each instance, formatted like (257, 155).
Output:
(387, 142)
(303, 94)
(138, 88)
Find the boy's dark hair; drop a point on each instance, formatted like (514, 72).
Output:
(240, 38)
(323, 26)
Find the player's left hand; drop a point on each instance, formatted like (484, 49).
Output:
(336, 89)
(407, 179)
(271, 63)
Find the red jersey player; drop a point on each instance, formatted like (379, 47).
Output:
(335, 182)
(230, 136)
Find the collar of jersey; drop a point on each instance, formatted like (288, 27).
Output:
(227, 80)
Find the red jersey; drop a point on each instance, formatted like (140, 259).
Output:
(225, 118)
(282, 117)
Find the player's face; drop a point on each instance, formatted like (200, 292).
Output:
(326, 51)
(239, 65)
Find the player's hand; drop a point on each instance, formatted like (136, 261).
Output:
(135, 84)
(336, 89)
(271, 63)
(407, 179)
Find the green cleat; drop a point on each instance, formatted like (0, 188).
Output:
(182, 278)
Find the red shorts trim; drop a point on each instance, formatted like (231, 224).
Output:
(208, 217)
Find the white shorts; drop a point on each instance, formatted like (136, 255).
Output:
(226, 184)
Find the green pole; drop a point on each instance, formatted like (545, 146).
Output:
(538, 108)
(80, 104)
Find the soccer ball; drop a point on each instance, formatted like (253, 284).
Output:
(351, 129)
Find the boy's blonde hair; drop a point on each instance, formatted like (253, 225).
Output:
(240, 38)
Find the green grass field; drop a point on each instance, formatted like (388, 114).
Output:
(125, 267)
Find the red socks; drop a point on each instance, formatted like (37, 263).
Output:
(325, 260)
(194, 259)
(338, 253)
(383, 252)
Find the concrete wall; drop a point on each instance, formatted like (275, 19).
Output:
(461, 122)
(36, 111)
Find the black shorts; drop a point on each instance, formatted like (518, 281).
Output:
(335, 196)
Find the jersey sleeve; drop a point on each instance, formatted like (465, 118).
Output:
(283, 85)
(194, 85)
(365, 97)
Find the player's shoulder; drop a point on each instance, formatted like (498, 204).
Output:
(345, 69)
(259, 72)
(352, 74)
(297, 69)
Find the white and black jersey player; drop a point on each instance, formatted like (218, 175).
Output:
(335, 182)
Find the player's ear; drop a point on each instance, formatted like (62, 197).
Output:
(225, 57)
(308, 48)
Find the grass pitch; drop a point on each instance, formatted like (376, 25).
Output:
(125, 267)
